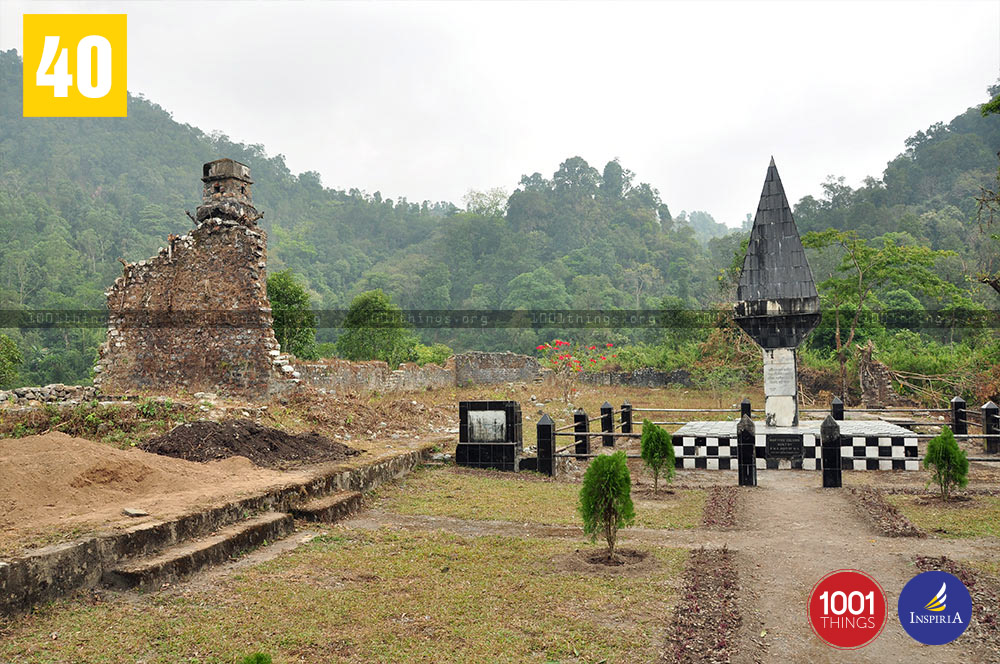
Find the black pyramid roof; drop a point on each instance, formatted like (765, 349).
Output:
(775, 267)
(776, 283)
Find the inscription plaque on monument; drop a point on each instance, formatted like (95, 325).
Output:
(779, 371)
(784, 446)
(487, 426)
(489, 434)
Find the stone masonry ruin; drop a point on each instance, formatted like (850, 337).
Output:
(196, 316)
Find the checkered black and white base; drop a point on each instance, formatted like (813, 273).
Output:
(880, 446)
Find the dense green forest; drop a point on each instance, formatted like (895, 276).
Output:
(77, 194)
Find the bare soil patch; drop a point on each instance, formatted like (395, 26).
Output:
(264, 446)
(627, 562)
(56, 486)
(884, 516)
(622, 557)
(647, 493)
(721, 507)
(954, 502)
(707, 619)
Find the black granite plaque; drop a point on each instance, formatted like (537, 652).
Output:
(784, 446)
(489, 434)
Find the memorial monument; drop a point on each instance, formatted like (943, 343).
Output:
(778, 305)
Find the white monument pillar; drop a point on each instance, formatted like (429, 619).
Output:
(781, 398)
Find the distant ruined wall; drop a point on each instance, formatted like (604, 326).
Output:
(475, 368)
(472, 368)
(196, 316)
(638, 378)
(344, 376)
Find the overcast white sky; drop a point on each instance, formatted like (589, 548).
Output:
(427, 100)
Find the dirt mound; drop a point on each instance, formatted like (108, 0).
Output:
(264, 446)
(55, 486)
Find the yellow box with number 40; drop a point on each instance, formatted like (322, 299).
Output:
(75, 65)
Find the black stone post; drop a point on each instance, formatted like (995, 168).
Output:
(581, 423)
(991, 412)
(546, 445)
(829, 437)
(837, 409)
(626, 417)
(608, 423)
(745, 408)
(746, 458)
(959, 420)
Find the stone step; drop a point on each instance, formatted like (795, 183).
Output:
(329, 509)
(186, 558)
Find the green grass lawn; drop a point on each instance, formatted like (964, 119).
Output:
(978, 517)
(381, 596)
(496, 496)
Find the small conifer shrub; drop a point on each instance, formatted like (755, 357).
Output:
(657, 451)
(949, 463)
(606, 498)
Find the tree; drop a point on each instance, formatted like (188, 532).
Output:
(951, 467)
(489, 203)
(866, 268)
(10, 361)
(638, 279)
(294, 322)
(538, 289)
(616, 181)
(606, 498)
(374, 329)
(988, 209)
(657, 451)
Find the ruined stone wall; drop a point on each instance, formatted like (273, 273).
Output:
(344, 376)
(475, 368)
(639, 378)
(464, 369)
(54, 393)
(167, 326)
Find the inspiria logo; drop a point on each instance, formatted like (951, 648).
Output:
(939, 619)
(937, 603)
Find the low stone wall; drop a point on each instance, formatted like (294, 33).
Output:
(55, 393)
(375, 376)
(638, 378)
(472, 368)
(476, 368)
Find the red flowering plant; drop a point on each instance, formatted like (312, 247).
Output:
(566, 359)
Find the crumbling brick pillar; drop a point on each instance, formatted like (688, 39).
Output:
(196, 317)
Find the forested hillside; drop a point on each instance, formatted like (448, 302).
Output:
(78, 194)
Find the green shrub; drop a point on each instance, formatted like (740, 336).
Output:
(20, 431)
(256, 658)
(10, 361)
(294, 320)
(326, 349)
(606, 498)
(376, 329)
(951, 467)
(436, 354)
(657, 452)
(147, 407)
